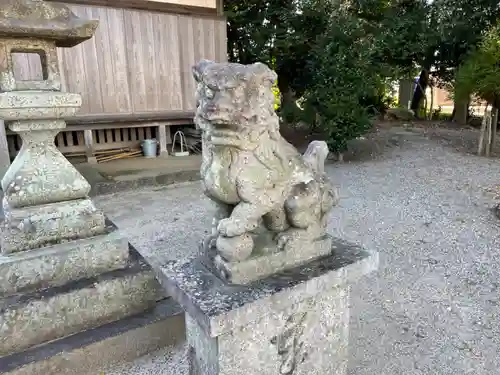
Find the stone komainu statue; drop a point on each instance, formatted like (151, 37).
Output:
(269, 197)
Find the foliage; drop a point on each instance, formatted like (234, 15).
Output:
(480, 73)
(279, 33)
(433, 35)
(336, 57)
(276, 93)
(346, 86)
(402, 30)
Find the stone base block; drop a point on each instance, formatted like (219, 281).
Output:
(37, 226)
(56, 265)
(96, 350)
(293, 322)
(38, 317)
(261, 266)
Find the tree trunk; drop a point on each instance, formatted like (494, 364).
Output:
(288, 99)
(431, 106)
(460, 112)
(404, 93)
(419, 93)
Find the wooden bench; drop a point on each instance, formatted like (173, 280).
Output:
(87, 134)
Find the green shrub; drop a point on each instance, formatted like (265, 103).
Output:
(480, 73)
(347, 88)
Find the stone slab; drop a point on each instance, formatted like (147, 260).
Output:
(92, 351)
(38, 105)
(58, 264)
(220, 307)
(35, 318)
(44, 20)
(261, 266)
(160, 180)
(36, 226)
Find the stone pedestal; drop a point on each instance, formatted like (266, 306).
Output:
(45, 197)
(294, 322)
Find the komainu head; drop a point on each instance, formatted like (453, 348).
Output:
(235, 102)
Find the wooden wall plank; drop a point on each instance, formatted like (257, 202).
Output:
(187, 59)
(27, 66)
(169, 80)
(74, 69)
(208, 27)
(62, 71)
(137, 73)
(95, 74)
(149, 59)
(221, 40)
(118, 49)
(199, 38)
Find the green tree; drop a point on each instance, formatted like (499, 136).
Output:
(479, 75)
(280, 33)
(435, 36)
(348, 80)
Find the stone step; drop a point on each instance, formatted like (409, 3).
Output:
(38, 317)
(171, 360)
(58, 264)
(103, 349)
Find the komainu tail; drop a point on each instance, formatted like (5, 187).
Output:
(315, 156)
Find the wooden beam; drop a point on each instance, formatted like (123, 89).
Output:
(154, 6)
(186, 116)
(220, 7)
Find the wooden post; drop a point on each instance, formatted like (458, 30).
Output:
(494, 123)
(89, 146)
(163, 138)
(4, 150)
(485, 131)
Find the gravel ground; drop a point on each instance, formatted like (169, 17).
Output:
(433, 306)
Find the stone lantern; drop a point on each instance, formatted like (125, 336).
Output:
(65, 271)
(45, 197)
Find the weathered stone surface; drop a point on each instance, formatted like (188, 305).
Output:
(30, 320)
(40, 174)
(44, 20)
(400, 114)
(37, 226)
(38, 105)
(294, 322)
(270, 198)
(62, 271)
(309, 338)
(264, 265)
(59, 264)
(222, 307)
(94, 351)
(48, 58)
